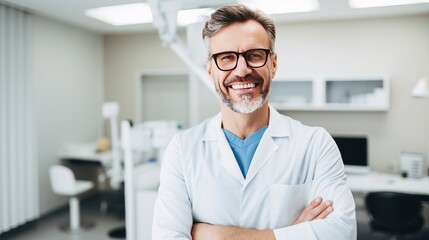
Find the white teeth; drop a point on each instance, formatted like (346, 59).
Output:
(243, 86)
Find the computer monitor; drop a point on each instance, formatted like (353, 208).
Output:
(354, 152)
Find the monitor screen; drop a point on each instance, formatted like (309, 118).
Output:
(354, 150)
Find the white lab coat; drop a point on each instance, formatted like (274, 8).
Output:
(293, 164)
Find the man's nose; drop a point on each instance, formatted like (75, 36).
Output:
(242, 69)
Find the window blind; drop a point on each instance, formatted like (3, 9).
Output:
(18, 166)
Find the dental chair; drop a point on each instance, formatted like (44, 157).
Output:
(64, 183)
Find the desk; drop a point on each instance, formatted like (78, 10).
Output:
(87, 164)
(375, 181)
(105, 159)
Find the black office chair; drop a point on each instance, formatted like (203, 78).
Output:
(395, 214)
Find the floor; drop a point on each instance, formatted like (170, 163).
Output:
(47, 228)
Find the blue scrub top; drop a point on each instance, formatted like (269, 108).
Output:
(244, 149)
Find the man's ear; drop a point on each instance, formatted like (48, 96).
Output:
(209, 68)
(209, 72)
(274, 65)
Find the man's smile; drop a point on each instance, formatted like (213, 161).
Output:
(238, 86)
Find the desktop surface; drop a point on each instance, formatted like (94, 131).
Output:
(376, 181)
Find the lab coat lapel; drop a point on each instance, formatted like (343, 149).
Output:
(227, 159)
(263, 153)
(223, 152)
(267, 146)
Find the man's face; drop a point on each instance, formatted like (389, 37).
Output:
(243, 89)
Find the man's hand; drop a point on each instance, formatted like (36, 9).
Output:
(315, 210)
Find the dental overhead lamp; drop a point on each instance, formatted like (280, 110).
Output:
(164, 13)
(111, 110)
(422, 88)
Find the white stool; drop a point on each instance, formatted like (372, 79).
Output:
(63, 182)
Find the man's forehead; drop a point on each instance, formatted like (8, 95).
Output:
(249, 34)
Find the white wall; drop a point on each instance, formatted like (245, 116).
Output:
(67, 72)
(398, 47)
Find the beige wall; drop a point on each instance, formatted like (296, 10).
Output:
(67, 74)
(398, 47)
(125, 57)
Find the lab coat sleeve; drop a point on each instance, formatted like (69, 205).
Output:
(172, 215)
(329, 182)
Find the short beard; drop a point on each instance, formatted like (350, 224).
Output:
(246, 105)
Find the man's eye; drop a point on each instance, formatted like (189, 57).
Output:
(254, 56)
(226, 57)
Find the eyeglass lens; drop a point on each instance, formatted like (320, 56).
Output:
(228, 60)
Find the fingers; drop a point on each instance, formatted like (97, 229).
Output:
(315, 210)
(322, 211)
(325, 213)
(305, 213)
(316, 202)
(313, 204)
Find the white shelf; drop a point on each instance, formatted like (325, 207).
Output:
(331, 93)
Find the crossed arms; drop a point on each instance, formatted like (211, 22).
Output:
(203, 231)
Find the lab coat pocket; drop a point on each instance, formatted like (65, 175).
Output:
(286, 203)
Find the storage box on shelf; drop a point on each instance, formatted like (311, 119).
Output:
(331, 93)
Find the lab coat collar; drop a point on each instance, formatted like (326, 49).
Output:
(213, 129)
(276, 127)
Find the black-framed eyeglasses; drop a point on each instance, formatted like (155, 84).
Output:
(255, 58)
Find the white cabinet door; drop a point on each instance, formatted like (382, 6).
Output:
(331, 93)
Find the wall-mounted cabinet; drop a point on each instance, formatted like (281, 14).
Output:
(331, 93)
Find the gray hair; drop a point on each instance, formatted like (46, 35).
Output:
(230, 14)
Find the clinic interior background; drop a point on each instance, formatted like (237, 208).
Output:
(74, 71)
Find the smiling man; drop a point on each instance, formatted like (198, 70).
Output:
(250, 172)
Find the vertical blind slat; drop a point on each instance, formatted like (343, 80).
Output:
(3, 122)
(20, 125)
(12, 110)
(31, 164)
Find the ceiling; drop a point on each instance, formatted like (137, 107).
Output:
(72, 12)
